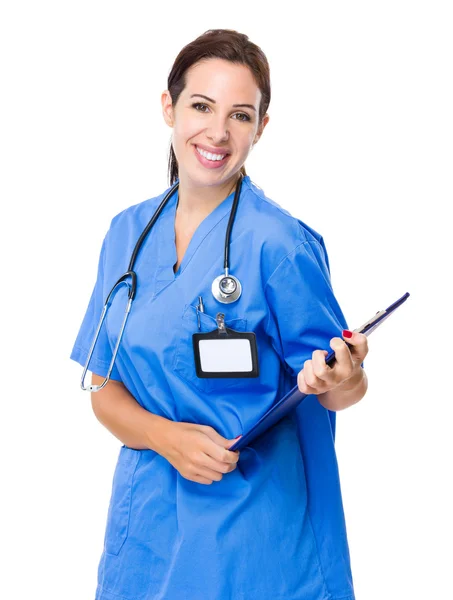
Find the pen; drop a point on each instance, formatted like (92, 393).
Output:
(200, 308)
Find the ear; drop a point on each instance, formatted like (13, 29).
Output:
(261, 127)
(167, 108)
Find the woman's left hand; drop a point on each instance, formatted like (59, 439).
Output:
(317, 377)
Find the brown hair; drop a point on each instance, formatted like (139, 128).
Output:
(219, 43)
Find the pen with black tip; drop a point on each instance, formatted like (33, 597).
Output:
(200, 308)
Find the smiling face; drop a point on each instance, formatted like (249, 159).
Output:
(217, 112)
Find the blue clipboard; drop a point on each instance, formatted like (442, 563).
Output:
(294, 397)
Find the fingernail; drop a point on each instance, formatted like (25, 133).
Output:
(347, 333)
(236, 438)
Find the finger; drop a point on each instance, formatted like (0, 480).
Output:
(310, 376)
(216, 465)
(344, 361)
(302, 382)
(209, 474)
(304, 387)
(213, 435)
(199, 479)
(358, 343)
(222, 454)
(216, 447)
(232, 442)
(320, 368)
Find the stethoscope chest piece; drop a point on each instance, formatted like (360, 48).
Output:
(226, 289)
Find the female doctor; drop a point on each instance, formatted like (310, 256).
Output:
(189, 519)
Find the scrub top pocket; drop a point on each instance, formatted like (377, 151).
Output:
(120, 501)
(184, 363)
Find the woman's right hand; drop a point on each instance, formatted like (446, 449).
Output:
(198, 452)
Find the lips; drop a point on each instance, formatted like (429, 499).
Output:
(210, 164)
(212, 150)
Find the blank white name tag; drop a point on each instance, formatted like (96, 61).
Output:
(225, 355)
(228, 353)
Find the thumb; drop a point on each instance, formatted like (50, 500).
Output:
(219, 439)
(357, 343)
(229, 443)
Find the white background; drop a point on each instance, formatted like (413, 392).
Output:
(359, 146)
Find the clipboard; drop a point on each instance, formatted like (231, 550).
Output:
(294, 397)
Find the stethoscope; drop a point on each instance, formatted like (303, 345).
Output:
(225, 288)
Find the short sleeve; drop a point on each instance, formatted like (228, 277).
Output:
(102, 354)
(304, 314)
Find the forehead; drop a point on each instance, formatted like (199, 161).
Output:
(222, 80)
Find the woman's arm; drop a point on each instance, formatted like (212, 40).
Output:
(343, 384)
(116, 408)
(346, 394)
(198, 452)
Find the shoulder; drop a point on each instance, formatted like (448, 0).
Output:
(279, 234)
(139, 213)
(131, 221)
(283, 228)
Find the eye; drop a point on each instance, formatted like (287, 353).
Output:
(247, 118)
(199, 104)
(244, 116)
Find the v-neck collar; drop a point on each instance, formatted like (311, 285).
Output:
(167, 255)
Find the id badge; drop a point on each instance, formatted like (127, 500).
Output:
(225, 352)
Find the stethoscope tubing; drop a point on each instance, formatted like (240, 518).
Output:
(132, 287)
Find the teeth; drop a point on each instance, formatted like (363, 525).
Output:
(210, 156)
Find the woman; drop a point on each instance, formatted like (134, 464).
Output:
(188, 518)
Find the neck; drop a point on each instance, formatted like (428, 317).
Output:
(195, 200)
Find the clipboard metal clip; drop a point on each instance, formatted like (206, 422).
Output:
(380, 316)
(367, 326)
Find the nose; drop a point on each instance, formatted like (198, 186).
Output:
(218, 130)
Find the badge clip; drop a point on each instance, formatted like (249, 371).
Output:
(220, 319)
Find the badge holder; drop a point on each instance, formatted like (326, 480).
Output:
(225, 352)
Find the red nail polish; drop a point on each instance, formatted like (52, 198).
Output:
(236, 438)
(347, 333)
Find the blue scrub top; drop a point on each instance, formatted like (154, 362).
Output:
(274, 527)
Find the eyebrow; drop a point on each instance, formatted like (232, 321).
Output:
(234, 105)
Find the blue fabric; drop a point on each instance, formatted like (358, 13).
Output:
(274, 527)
